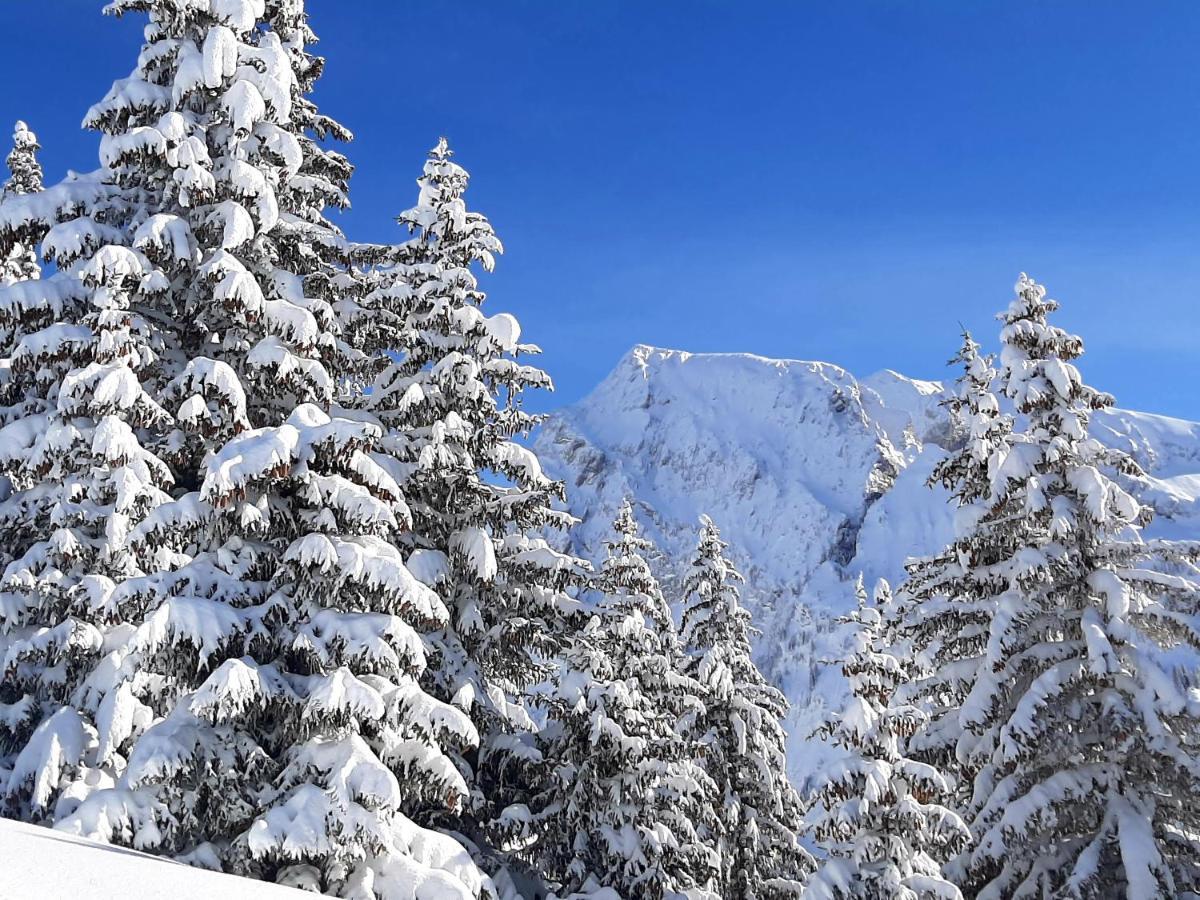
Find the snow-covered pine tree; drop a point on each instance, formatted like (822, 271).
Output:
(285, 660)
(274, 639)
(623, 803)
(81, 374)
(879, 817)
(952, 594)
(25, 172)
(18, 261)
(446, 382)
(740, 734)
(81, 478)
(1086, 726)
(91, 335)
(627, 580)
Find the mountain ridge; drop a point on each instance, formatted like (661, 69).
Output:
(813, 475)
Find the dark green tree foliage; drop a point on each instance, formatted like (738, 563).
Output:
(228, 673)
(953, 595)
(740, 735)
(880, 817)
(445, 382)
(1083, 739)
(18, 260)
(624, 803)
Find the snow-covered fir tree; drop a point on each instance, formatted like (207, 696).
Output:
(18, 259)
(624, 803)
(879, 818)
(262, 710)
(740, 735)
(81, 374)
(25, 172)
(627, 580)
(285, 660)
(18, 262)
(81, 478)
(1086, 726)
(446, 382)
(953, 594)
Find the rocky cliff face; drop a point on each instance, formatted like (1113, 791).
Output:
(813, 476)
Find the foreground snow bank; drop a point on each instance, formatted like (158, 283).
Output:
(39, 863)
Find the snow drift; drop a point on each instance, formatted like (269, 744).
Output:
(41, 862)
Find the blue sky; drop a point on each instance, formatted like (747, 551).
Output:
(844, 181)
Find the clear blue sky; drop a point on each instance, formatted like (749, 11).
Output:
(843, 181)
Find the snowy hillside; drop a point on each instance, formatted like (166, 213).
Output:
(39, 862)
(813, 476)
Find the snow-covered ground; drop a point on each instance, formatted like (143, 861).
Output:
(42, 864)
(812, 474)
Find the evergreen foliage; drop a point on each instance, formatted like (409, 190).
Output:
(240, 660)
(624, 803)
(953, 594)
(1084, 738)
(880, 817)
(18, 260)
(446, 382)
(740, 734)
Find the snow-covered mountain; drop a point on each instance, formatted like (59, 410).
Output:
(812, 474)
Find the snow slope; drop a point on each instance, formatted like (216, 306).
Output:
(812, 475)
(40, 863)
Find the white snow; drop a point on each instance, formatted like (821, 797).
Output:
(505, 330)
(40, 862)
(780, 453)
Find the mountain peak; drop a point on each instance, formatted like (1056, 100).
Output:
(785, 455)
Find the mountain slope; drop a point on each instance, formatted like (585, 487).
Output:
(44, 863)
(813, 476)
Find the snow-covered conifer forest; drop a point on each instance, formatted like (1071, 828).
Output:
(294, 588)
